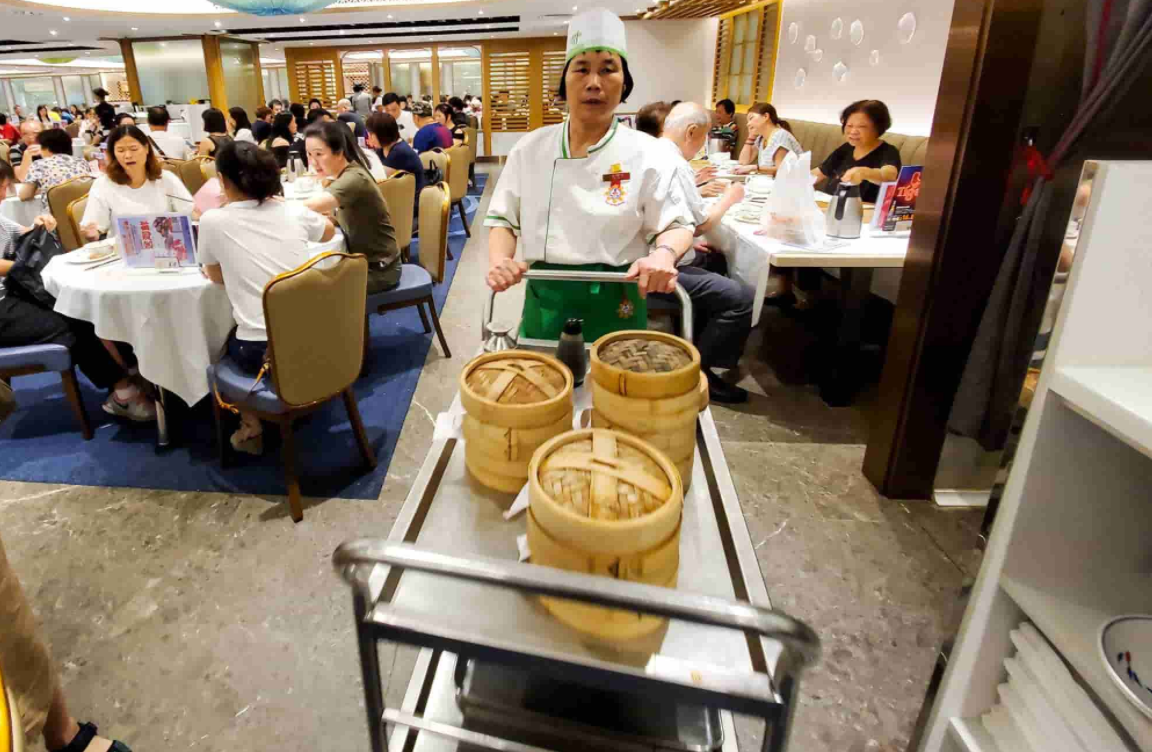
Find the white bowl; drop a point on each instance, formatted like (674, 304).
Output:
(1126, 648)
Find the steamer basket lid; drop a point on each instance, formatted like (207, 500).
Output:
(516, 380)
(641, 355)
(604, 479)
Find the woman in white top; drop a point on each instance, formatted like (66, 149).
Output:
(244, 244)
(773, 141)
(133, 184)
(241, 125)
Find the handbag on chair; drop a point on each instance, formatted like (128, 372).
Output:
(33, 252)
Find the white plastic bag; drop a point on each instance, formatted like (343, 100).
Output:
(790, 214)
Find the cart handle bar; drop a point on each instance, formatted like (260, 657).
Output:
(560, 275)
(634, 596)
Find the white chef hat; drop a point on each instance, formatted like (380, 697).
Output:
(596, 29)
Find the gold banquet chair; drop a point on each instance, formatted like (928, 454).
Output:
(457, 177)
(439, 158)
(313, 358)
(191, 174)
(60, 200)
(11, 727)
(416, 281)
(76, 215)
(399, 192)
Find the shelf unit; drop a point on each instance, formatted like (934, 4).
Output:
(1070, 547)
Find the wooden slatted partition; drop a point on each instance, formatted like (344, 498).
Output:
(720, 66)
(769, 42)
(509, 91)
(553, 69)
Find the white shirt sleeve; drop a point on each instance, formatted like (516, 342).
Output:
(313, 223)
(99, 208)
(245, 135)
(695, 201)
(504, 210)
(175, 190)
(207, 241)
(666, 207)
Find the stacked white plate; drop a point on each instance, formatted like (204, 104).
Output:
(748, 212)
(1042, 708)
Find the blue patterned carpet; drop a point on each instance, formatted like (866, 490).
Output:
(41, 441)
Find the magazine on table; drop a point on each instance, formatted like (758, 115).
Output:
(158, 241)
(896, 202)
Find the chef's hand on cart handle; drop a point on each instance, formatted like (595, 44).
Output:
(655, 273)
(506, 273)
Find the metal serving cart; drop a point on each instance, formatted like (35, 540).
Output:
(497, 671)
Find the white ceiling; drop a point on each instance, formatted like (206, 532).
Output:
(387, 22)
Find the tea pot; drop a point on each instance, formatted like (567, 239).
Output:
(845, 212)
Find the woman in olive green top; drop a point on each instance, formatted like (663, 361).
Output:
(351, 194)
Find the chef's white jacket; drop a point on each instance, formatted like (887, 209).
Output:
(605, 208)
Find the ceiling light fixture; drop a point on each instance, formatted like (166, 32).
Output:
(481, 11)
(218, 24)
(66, 18)
(301, 19)
(135, 28)
(53, 32)
(389, 15)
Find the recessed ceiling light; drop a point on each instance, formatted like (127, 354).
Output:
(135, 28)
(301, 19)
(389, 15)
(312, 44)
(218, 24)
(66, 18)
(341, 32)
(481, 11)
(163, 44)
(53, 32)
(574, 7)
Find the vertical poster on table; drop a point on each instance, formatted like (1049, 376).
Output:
(896, 202)
(159, 241)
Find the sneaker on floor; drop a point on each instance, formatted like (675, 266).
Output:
(138, 409)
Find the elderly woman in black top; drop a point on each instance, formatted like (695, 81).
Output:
(864, 160)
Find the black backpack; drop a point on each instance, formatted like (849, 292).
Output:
(33, 252)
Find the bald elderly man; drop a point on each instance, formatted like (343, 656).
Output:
(26, 151)
(722, 307)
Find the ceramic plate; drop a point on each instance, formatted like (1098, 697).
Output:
(1126, 648)
(101, 250)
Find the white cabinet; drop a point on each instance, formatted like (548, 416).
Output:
(1072, 543)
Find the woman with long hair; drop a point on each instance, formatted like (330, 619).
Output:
(351, 194)
(43, 116)
(773, 140)
(252, 238)
(241, 125)
(133, 183)
(215, 131)
(282, 141)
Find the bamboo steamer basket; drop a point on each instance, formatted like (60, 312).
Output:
(608, 504)
(649, 384)
(515, 401)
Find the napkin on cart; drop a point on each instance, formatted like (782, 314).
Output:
(449, 425)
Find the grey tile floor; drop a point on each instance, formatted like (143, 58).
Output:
(209, 621)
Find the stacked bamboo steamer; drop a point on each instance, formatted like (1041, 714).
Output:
(515, 401)
(649, 384)
(609, 504)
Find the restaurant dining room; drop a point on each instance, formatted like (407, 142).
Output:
(532, 375)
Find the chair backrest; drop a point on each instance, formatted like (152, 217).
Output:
(73, 130)
(316, 357)
(75, 215)
(399, 192)
(458, 161)
(60, 200)
(471, 134)
(207, 168)
(192, 175)
(3, 152)
(435, 208)
(823, 138)
(436, 157)
(172, 165)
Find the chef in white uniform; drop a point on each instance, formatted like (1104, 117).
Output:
(589, 194)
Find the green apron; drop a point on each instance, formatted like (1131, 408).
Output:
(547, 305)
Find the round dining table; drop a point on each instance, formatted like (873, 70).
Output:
(176, 321)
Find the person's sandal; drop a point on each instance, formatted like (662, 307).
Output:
(85, 736)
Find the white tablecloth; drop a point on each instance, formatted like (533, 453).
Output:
(177, 323)
(23, 213)
(750, 256)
